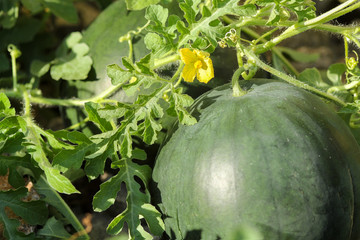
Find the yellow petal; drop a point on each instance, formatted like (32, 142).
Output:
(206, 73)
(201, 54)
(188, 73)
(188, 56)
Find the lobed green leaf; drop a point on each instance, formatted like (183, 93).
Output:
(137, 201)
(178, 102)
(206, 27)
(34, 145)
(157, 14)
(190, 9)
(113, 111)
(52, 198)
(5, 107)
(72, 159)
(156, 44)
(118, 75)
(12, 165)
(34, 212)
(74, 65)
(54, 229)
(92, 111)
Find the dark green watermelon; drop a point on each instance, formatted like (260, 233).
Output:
(277, 159)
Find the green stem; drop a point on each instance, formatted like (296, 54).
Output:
(262, 22)
(14, 53)
(131, 50)
(303, 26)
(54, 199)
(80, 102)
(178, 75)
(107, 93)
(346, 87)
(68, 102)
(275, 50)
(27, 104)
(77, 125)
(237, 90)
(239, 54)
(268, 33)
(346, 49)
(163, 61)
(354, 121)
(14, 72)
(346, 10)
(252, 56)
(353, 39)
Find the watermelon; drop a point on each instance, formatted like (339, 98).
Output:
(277, 159)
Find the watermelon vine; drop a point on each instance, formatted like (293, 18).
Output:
(144, 90)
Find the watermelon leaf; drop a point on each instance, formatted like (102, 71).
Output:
(54, 199)
(5, 106)
(34, 212)
(34, 145)
(54, 228)
(137, 201)
(74, 65)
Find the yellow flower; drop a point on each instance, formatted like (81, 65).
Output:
(197, 63)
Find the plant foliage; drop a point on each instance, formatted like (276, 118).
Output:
(124, 88)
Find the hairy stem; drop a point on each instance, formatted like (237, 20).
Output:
(27, 104)
(275, 50)
(252, 56)
(166, 60)
(309, 24)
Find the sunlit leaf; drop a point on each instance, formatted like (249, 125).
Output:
(34, 145)
(73, 65)
(5, 106)
(139, 4)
